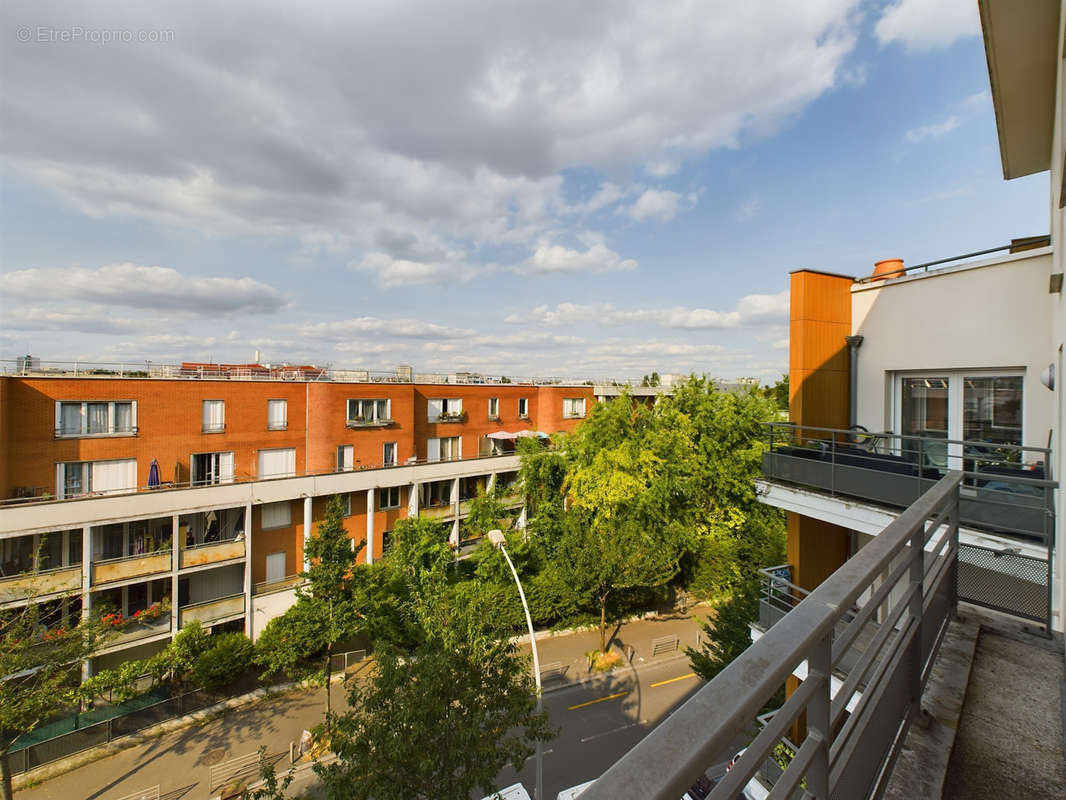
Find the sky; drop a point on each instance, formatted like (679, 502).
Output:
(595, 189)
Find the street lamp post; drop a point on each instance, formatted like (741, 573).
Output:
(497, 539)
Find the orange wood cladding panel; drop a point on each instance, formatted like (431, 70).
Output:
(816, 549)
(818, 354)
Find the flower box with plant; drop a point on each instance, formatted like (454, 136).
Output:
(113, 619)
(451, 416)
(365, 422)
(153, 612)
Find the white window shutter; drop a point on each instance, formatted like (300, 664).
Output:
(59, 416)
(60, 482)
(436, 406)
(225, 467)
(433, 449)
(456, 405)
(133, 414)
(113, 476)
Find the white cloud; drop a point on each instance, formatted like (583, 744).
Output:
(341, 330)
(146, 288)
(392, 273)
(466, 145)
(658, 203)
(553, 258)
(84, 319)
(927, 24)
(608, 194)
(753, 309)
(748, 209)
(932, 131)
(663, 167)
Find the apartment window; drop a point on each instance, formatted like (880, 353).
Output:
(436, 493)
(574, 407)
(277, 463)
(96, 477)
(388, 454)
(346, 504)
(389, 497)
(523, 408)
(468, 488)
(277, 415)
(276, 515)
(444, 449)
(275, 567)
(214, 414)
(211, 468)
(959, 405)
(105, 418)
(369, 412)
(494, 408)
(345, 458)
(442, 409)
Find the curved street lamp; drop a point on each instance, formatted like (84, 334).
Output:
(497, 539)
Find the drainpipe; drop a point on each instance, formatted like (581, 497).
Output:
(854, 343)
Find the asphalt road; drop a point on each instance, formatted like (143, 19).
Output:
(599, 722)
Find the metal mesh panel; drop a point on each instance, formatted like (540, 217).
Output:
(1005, 581)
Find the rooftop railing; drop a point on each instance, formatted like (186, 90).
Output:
(1006, 489)
(848, 741)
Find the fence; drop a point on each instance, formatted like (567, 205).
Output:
(33, 751)
(342, 662)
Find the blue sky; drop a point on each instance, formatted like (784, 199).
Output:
(596, 189)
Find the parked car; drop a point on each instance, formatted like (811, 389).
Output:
(755, 789)
(698, 791)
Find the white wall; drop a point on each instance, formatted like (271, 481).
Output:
(993, 314)
(267, 606)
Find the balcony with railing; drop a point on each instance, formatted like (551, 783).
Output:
(211, 552)
(876, 625)
(18, 587)
(1006, 489)
(210, 611)
(118, 569)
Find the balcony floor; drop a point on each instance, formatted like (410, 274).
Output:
(1010, 737)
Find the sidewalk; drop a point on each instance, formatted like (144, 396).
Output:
(179, 761)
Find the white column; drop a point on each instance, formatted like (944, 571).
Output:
(248, 570)
(455, 510)
(491, 483)
(86, 589)
(307, 529)
(175, 556)
(369, 526)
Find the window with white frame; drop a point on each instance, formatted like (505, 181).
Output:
(103, 418)
(74, 478)
(573, 407)
(389, 497)
(449, 448)
(388, 454)
(345, 458)
(275, 515)
(277, 415)
(277, 463)
(368, 412)
(523, 407)
(937, 410)
(444, 408)
(346, 503)
(211, 468)
(214, 416)
(494, 408)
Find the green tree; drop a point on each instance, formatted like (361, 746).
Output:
(226, 660)
(728, 636)
(439, 723)
(599, 558)
(40, 668)
(325, 612)
(487, 511)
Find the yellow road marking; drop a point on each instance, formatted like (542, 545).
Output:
(673, 680)
(600, 700)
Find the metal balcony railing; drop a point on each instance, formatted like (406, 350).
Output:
(1006, 489)
(847, 740)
